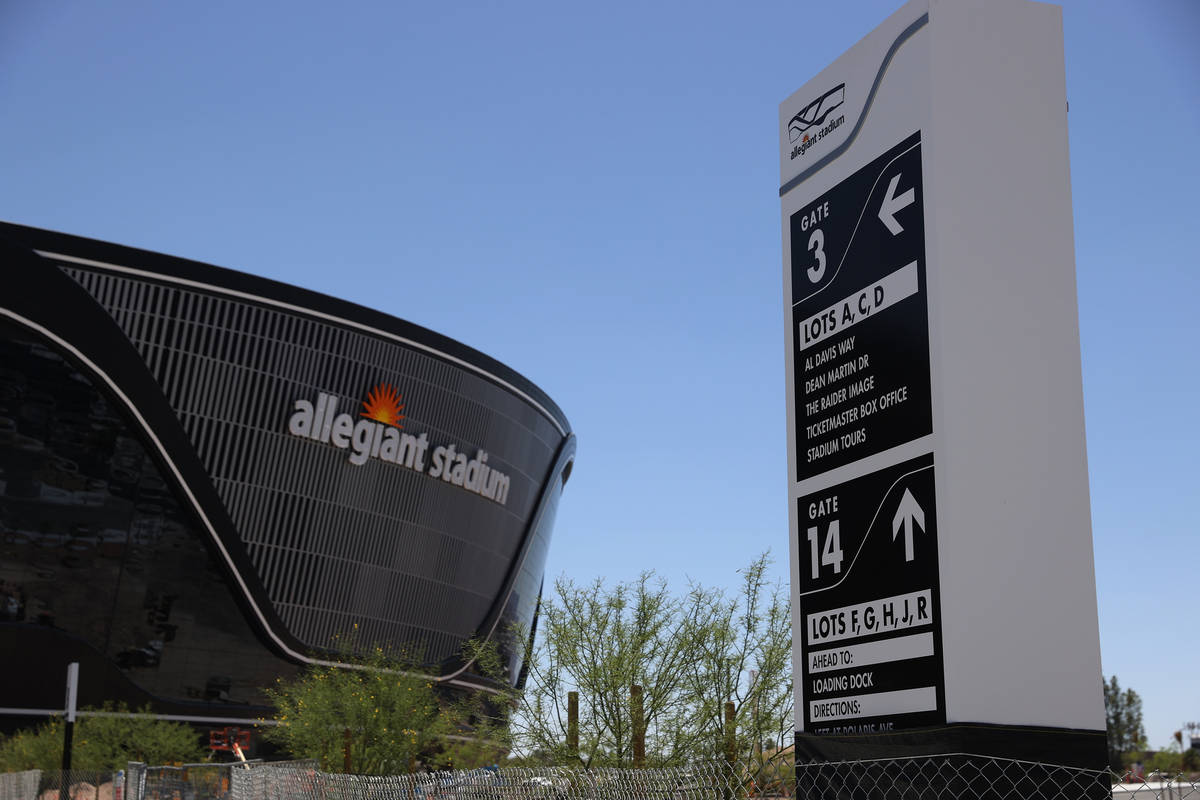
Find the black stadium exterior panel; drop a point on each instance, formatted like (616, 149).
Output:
(208, 476)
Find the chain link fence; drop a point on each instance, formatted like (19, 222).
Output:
(973, 777)
(20, 785)
(703, 782)
(957, 777)
(197, 781)
(51, 784)
(940, 778)
(964, 777)
(183, 782)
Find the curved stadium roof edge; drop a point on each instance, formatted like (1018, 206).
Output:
(160, 266)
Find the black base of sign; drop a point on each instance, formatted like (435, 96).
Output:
(957, 760)
(1068, 747)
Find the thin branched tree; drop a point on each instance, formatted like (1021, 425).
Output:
(690, 652)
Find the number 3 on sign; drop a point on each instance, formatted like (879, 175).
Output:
(816, 242)
(828, 556)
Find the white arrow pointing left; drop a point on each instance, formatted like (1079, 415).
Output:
(893, 203)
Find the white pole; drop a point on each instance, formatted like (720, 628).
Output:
(69, 728)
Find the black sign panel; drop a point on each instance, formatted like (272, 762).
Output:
(860, 315)
(870, 604)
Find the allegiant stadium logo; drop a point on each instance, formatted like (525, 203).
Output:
(816, 115)
(377, 434)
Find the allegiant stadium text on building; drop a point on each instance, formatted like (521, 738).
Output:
(368, 438)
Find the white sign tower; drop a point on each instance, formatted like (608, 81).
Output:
(944, 597)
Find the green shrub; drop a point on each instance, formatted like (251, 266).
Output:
(103, 742)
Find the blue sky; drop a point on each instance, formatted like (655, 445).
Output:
(588, 192)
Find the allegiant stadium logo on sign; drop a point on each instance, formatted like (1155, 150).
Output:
(377, 434)
(816, 115)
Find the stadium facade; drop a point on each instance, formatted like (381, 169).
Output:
(207, 476)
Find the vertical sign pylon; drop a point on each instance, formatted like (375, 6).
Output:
(919, 325)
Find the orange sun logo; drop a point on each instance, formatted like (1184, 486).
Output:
(383, 405)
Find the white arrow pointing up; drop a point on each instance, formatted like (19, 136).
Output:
(891, 204)
(907, 514)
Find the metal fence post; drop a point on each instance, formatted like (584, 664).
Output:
(135, 781)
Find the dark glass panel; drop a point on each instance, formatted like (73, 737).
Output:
(94, 542)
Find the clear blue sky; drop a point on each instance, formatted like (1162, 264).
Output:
(588, 192)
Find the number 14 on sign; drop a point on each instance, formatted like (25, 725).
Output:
(831, 554)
